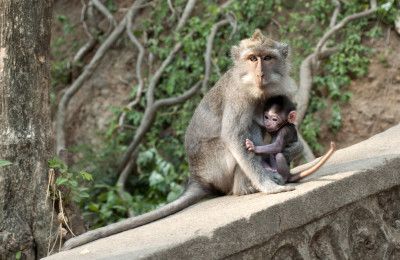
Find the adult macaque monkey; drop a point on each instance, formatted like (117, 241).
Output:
(228, 114)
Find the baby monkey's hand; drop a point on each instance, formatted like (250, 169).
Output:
(250, 145)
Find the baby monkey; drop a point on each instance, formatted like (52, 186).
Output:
(279, 117)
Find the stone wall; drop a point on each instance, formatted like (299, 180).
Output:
(368, 229)
(349, 209)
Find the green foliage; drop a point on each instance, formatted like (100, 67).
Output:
(71, 182)
(336, 120)
(4, 163)
(161, 166)
(310, 129)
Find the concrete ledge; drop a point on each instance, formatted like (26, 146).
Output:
(234, 226)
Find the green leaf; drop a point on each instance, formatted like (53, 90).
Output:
(18, 255)
(60, 181)
(86, 176)
(155, 178)
(387, 6)
(4, 163)
(94, 207)
(57, 163)
(84, 195)
(120, 208)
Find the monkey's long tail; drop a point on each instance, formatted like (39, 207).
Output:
(194, 193)
(314, 168)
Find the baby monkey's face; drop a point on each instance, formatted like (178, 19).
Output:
(273, 120)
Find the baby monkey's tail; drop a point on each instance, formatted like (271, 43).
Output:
(298, 176)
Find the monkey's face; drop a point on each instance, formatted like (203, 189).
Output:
(273, 121)
(264, 67)
(261, 64)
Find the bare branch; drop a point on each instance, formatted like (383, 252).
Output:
(226, 4)
(84, 50)
(88, 71)
(145, 124)
(139, 63)
(340, 25)
(123, 177)
(186, 13)
(154, 80)
(233, 21)
(207, 54)
(217, 69)
(327, 52)
(148, 119)
(92, 40)
(102, 9)
(171, 7)
(336, 3)
(373, 4)
(179, 99)
(83, 19)
(303, 94)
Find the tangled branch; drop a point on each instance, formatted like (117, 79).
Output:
(311, 62)
(153, 106)
(85, 75)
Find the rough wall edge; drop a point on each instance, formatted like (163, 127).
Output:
(223, 242)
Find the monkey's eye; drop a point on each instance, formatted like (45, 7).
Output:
(266, 117)
(253, 58)
(274, 119)
(268, 57)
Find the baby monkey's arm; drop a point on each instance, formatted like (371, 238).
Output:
(273, 148)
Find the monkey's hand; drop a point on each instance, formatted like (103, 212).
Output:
(250, 145)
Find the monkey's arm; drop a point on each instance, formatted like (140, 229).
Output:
(276, 146)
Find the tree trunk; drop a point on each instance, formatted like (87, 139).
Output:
(25, 127)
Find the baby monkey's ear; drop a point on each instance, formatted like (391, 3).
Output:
(292, 117)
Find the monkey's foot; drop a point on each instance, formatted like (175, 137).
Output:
(277, 178)
(277, 189)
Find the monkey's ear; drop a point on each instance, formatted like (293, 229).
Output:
(257, 35)
(284, 49)
(292, 117)
(235, 53)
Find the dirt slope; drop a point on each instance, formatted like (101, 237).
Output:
(375, 105)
